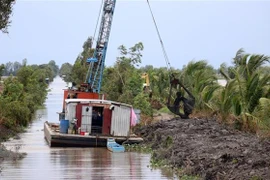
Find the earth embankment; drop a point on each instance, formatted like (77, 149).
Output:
(208, 149)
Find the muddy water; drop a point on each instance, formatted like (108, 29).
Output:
(43, 162)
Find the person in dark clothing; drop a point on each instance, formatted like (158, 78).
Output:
(187, 103)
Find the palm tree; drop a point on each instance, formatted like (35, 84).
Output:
(200, 78)
(249, 85)
(159, 79)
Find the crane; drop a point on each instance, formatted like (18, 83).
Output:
(91, 87)
(97, 61)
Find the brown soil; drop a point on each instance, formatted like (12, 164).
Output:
(208, 149)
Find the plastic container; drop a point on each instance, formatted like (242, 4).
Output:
(64, 125)
(138, 115)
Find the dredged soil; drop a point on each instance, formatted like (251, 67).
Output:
(208, 149)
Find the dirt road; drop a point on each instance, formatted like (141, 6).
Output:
(209, 149)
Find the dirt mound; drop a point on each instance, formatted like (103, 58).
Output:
(208, 149)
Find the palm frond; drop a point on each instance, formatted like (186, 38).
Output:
(224, 71)
(238, 56)
(209, 91)
(256, 61)
(251, 86)
(254, 100)
(263, 112)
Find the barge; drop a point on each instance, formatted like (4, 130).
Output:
(57, 139)
(90, 123)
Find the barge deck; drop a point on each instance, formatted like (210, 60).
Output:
(57, 139)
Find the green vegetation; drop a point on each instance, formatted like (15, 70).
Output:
(186, 177)
(243, 101)
(138, 148)
(6, 10)
(80, 67)
(246, 87)
(11, 68)
(49, 70)
(2, 68)
(65, 71)
(256, 178)
(156, 162)
(22, 94)
(122, 82)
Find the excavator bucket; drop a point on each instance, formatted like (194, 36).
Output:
(176, 112)
(188, 103)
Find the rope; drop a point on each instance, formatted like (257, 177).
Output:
(100, 10)
(161, 42)
(192, 100)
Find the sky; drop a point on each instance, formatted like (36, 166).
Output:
(44, 30)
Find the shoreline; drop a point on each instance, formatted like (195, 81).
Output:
(6, 154)
(207, 149)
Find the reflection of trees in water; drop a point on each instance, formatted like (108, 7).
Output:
(99, 163)
(83, 163)
(128, 165)
(135, 165)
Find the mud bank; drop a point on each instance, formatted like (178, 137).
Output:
(6, 154)
(208, 149)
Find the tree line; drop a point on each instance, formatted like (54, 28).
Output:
(23, 91)
(243, 101)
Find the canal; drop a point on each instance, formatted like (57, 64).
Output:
(43, 162)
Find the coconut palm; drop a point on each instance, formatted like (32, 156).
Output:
(249, 85)
(159, 78)
(200, 78)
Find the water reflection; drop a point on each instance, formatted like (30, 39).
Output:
(47, 163)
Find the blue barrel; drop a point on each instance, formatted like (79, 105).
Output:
(64, 125)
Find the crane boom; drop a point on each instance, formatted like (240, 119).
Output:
(96, 63)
